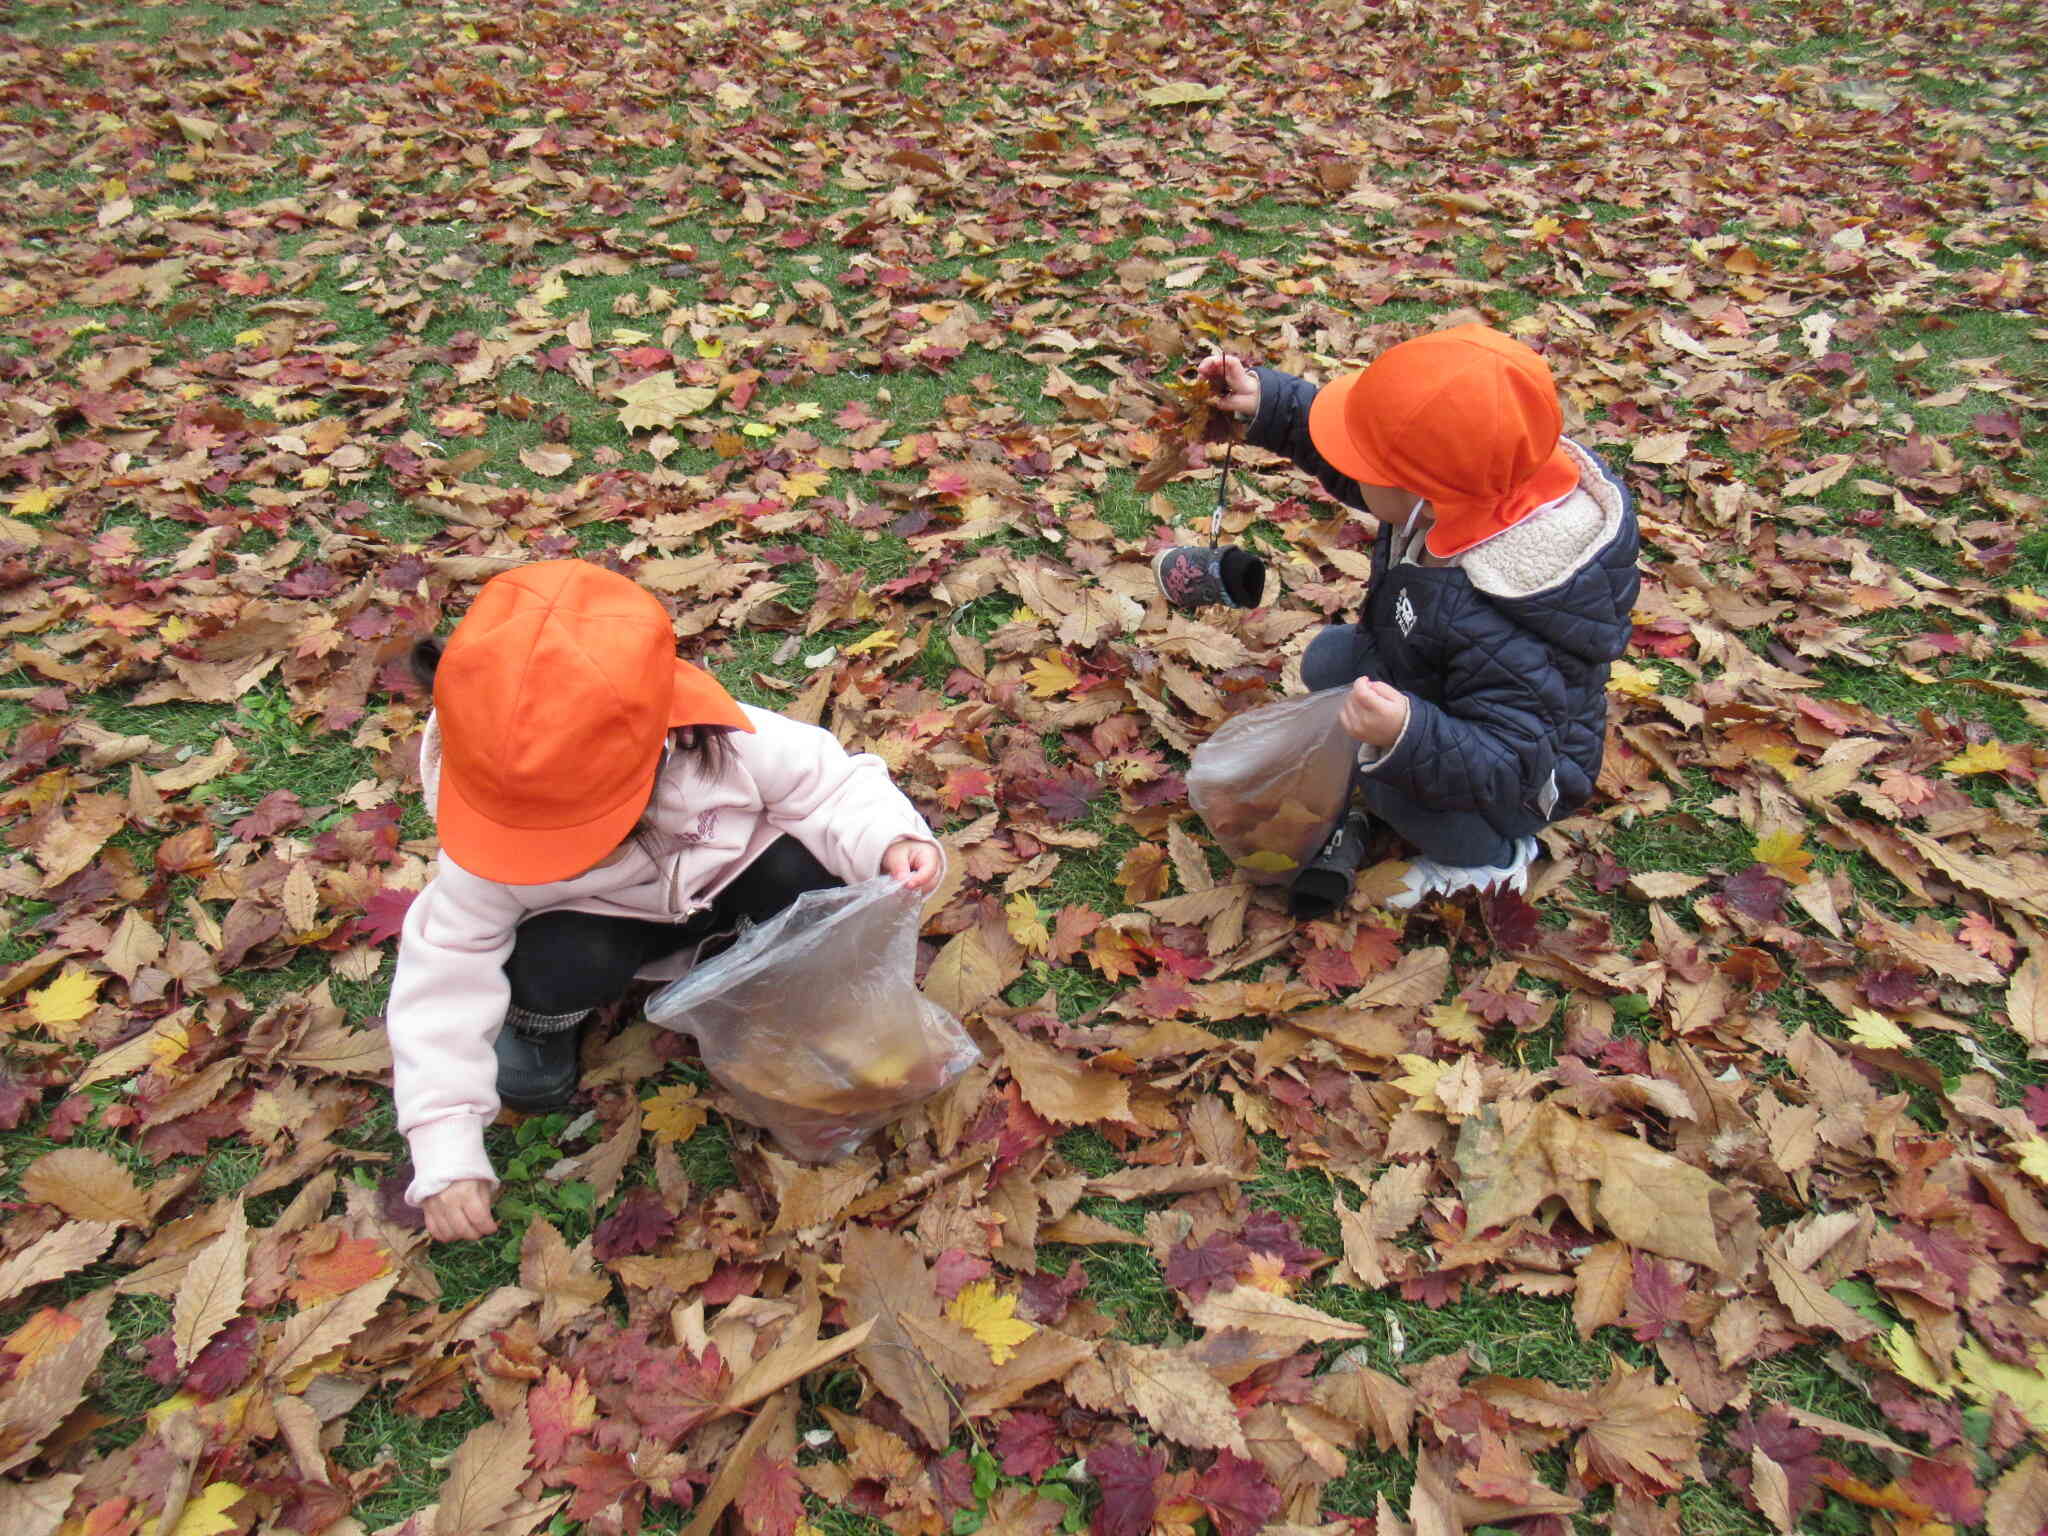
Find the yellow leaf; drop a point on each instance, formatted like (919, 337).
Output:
(2033, 1158)
(1457, 1023)
(66, 1000)
(206, 1512)
(175, 629)
(758, 429)
(1984, 1378)
(1267, 862)
(2028, 602)
(1911, 1361)
(1181, 93)
(1637, 682)
(1785, 856)
(552, 291)
(1420, 1083)
(34, 503)
(248, 338)
(711, 346)
(674, 1114)
(881, 639)
(1877, 1032)
(1982, 757)
(623, 337)
(1027, 924)
(1544, 228)
(804, 483)
(991, 1318)
(1050, 676)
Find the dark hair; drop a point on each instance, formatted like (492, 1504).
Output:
(705, 744)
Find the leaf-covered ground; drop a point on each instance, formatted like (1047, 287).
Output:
(1704, 1191)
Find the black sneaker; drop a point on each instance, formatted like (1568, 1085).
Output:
(1324, 883)
(1197, 576)
(538, 1072)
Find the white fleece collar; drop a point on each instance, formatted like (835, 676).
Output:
(1554, 542)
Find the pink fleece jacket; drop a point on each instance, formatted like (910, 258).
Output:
(449, 997)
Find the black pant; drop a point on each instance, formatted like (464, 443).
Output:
(1341, 654)
(565, 961)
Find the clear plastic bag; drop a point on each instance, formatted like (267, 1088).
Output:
(812, 1020)
(1271, 783)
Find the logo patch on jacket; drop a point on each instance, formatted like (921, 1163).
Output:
(1404, 614)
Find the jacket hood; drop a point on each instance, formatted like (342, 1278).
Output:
(1567, 573)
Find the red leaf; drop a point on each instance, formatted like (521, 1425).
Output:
(1026, 1446)
(1237, 1496)
(637, 1226)
(771, 1503)
(383, 916)
(1128, 1476)
(965, 784)
(273, 813)
(957, 1268)
(1196, 1270)
(1950, 1490)
(1655, 1298)
(1756, 893)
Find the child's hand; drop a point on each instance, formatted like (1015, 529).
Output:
(1376, 713)
(915, 862)
(1240, 394)
(459, 1212)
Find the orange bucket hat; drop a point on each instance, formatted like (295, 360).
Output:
(1467, 417)
(555, 696)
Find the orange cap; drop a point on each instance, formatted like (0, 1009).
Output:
(555, 697)
(1467, 417)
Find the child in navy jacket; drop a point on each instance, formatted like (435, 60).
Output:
(1502, 584)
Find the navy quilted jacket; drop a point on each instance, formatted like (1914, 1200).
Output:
(1505, 654)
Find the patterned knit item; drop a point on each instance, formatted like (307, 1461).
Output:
(525, 1022)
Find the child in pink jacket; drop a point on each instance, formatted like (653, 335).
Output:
(603, 808)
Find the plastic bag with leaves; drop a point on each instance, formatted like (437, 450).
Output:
(813, 1023)
(1271, 783)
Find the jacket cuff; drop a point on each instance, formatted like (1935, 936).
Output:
(1268, 429)
(445, 1152)
(1371, 759)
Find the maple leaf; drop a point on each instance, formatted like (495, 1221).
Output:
(771, 1501)
(1025, 1445)
(1050, 676)
(674, 1114)
(1784, 855)
(1027, 924)
(639, 1225)
(350, 1263)
(992, 1318)
(1877, 1032)
(205, 1513)
(1981, 757)
(1756, 893)
(1196, 1269)
(1988, 940)
(1643, 1437)
(1128, 1477)
(559, 1407)
(1237, 1495)
(659, 400)
(1457, 1023)
(1656, 1297)
(69, 998)
(955, 1269)
(965, 784)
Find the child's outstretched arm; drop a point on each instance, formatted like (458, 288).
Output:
(448, 1000)
(1277, 403)
(842, 806)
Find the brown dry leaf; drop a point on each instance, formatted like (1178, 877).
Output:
(2026, 1000)
(1275, 1317)
(882, 1280)
(1601, 1292)
(1648, 1199)
(1176, 1396)
(44, 1391)
(54, 1255)
(309, 1335)
(1377, 1405)
(484, 1475)
(86, 1183)
(1057, 1086)
(566, 1280)
(2018, 1505)
(1642, 1433)
(37, 1509)
(210, 1296)
(967, 973)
